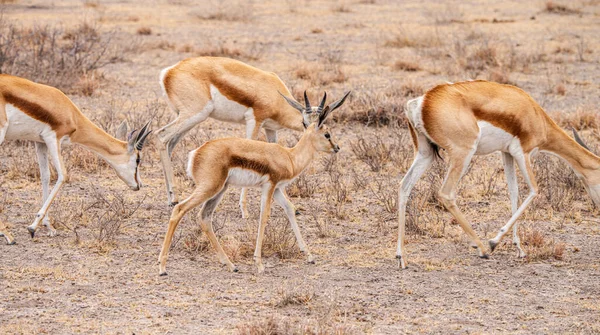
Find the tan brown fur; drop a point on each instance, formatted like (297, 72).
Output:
(450, 114)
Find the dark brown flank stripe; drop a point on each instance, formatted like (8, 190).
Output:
(244, 163)
(32, 109)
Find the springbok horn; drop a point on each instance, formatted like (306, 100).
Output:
(293, 103)
(306, 102)
(322, 103)
(579, 140)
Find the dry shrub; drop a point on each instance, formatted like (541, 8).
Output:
(337, 190)
(555, 8)
(341, 7)
(386, 194)
(580, 119)
(558, 185)
(109, 214)
(21, 162)
(144, 31)
(277, 325)
(228, 10)
(294, 295)
(401, 65)
(413, 38)
(377, 107)
(279, 238)
(304, 186)
(375, 153)
(539, 248)
(51, 55)
(222, 48)
(320, 74)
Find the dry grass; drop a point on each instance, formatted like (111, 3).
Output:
(144, 31)
(401, 65)
(556, 8)
(51, 55)
(539, 248)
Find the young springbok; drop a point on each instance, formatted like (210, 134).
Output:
(478, 118)
(44, 115)
(224, 89)
(226, 162)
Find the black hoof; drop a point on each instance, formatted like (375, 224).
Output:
(31, 232)
(12, 243)
(312, 262)
(484, 256)
(163, 274)
(298, 212)
(236, 270)
(398, 257)
(492, 245)
(173, 204)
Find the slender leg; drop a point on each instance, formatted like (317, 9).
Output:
(169, 136)
(271, 135)
(524, 164)
(290, 211)
(53, 147)
(252, 129)
(422, 162)
(200, 195)
(4, 233)
(265, 212)
(513, 191)
(459, 161)
(3, 130)
(42, 155)
(207, 227)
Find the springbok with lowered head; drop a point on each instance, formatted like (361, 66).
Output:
(44, 115)
(227, 90)
(221, 163)
(479, 118)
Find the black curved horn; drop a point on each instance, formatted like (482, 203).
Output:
(306, 102)
(579, 140)
(293, 103)
(322, 105)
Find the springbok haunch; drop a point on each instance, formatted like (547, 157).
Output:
(478, 118)
(44, 115)
(221, 163)
(227, 90)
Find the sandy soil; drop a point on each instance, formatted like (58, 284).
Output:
(89, 280)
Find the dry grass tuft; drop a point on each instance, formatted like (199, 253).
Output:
(236, 10)
(539, 248)
(294, 295)
(146, 31)
(375, 153)
(555, 8)
(401, 65)
(580, 119)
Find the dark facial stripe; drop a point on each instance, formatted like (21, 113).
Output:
(32, 109)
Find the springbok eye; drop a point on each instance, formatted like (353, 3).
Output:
(327, 136)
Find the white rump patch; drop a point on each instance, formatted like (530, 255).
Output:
(163, 74)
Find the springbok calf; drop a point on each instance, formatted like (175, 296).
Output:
(226, 90)
(221, 163)
(478, 118)
(44, 115)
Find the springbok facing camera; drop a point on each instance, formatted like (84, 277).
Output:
(478, 118)
(221, 163)
(44, 115)
(227, 90)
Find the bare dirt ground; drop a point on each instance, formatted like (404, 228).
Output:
(99, 275)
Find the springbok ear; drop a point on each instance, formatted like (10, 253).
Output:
(579, 140)
(122, 131)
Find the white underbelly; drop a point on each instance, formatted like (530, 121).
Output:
(492, 139)
(246, 178)
(228, 110)
(23, 127)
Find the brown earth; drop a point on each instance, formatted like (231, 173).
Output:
(99, 275)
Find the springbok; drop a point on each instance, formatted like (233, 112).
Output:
(226, 162)
(226, 90)
(478, 118)
(44, 115)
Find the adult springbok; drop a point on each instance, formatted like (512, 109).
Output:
(221, 163)
(226, 90)
(44, 115)
(478, 118)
